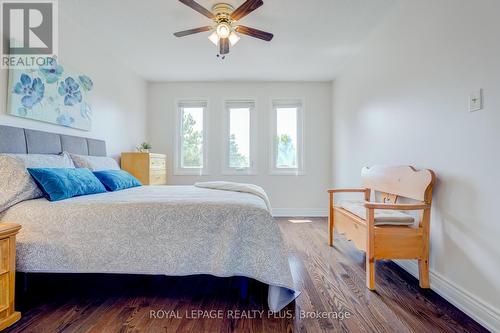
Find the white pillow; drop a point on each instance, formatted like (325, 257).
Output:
(16, 184)
(95, 163)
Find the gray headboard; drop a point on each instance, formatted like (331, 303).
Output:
(16, 140)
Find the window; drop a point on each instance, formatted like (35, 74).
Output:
(239, 146)
(287, 138)
(191, 156)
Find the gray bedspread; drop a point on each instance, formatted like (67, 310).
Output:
(168, 230)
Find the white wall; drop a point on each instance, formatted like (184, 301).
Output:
(118, 100)
(404, 100)
(294, 195)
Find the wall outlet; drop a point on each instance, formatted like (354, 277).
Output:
(476, 101)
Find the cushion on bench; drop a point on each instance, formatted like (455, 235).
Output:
(382, 217)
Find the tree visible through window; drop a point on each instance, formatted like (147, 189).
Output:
(192, 138)
(239, 137)
(286, 140)
(236, 159)
(287, 154)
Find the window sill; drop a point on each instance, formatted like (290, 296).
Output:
(287, 172)
(243, 172)
(191, 172)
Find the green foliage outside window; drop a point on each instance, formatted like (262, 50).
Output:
(192, 143)
(236, 159)
(287, 154)
(192, 148)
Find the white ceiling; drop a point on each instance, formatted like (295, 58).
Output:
(313, 39)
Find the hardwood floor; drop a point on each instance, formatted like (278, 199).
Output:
(331, 281)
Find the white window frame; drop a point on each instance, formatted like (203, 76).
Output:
(252, 169)
(179, 170)
(287, 103)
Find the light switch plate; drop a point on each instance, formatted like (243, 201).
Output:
(476, 101)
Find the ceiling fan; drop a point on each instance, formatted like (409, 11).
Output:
(225, 28)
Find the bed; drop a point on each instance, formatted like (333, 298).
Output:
(168, 230)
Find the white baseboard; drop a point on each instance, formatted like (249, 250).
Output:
(300, 212)
(480, 311)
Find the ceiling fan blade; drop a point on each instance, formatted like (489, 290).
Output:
(224, 45)
(254, 33)
(246, 8)
(199, 8)
(192, 31)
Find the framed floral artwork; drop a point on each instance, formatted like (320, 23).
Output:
(51, 94)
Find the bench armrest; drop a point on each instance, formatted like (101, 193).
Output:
(8, 229)
(347, 190)
(376, 205)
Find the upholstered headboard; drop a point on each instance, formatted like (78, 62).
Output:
(16, 140)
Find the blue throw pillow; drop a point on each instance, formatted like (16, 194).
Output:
(60, 184)
(115, 180)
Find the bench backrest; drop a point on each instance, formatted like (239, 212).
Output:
(404, 181)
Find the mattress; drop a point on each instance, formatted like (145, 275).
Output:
(167, 230)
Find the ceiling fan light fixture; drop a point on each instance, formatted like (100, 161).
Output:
(234, 38)
(214, 38)
(223, 30)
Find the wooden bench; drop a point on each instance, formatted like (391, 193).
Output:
(381, 227)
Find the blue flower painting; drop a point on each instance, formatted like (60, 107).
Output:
(70, 90)
(30, 89)
(52, 72)
(65, 120)
(52, 94)
(85, 110)
(86, 82)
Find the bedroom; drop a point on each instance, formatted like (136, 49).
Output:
(325, 89)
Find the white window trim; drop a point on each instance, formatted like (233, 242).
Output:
(300, 170)
(178, 169)
(226, 169)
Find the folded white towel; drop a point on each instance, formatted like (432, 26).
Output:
(238, 187)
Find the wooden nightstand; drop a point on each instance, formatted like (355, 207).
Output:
(8, 233)
(149, 168)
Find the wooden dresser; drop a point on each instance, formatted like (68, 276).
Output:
(8, 233)
(149, 168)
